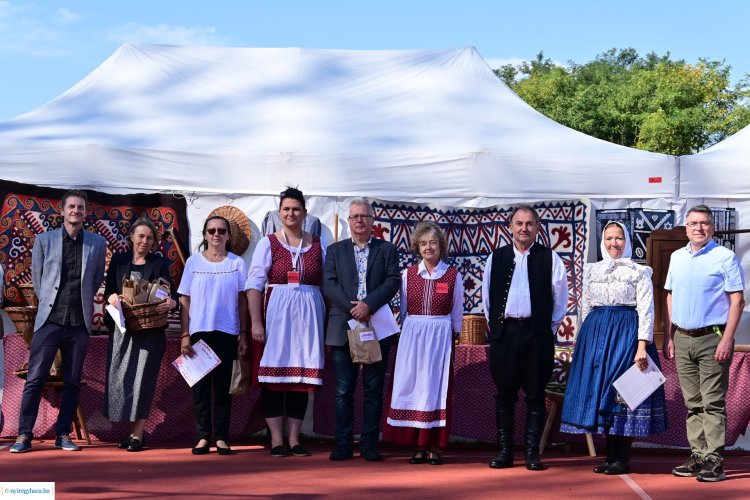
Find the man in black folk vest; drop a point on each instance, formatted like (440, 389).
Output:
(525, 295)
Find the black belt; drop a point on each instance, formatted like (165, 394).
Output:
(508, 319)
(699, 332)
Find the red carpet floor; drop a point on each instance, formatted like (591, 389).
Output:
(102, 471)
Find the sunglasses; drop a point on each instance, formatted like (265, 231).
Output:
(212, 230)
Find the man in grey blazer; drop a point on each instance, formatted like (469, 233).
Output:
(67, 268)
(361, 275)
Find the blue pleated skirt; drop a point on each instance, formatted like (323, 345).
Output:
(605, 348)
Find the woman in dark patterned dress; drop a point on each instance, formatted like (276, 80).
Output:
(134, 358)
(288, 266)
(432, 296)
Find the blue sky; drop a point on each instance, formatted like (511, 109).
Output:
(47, 46)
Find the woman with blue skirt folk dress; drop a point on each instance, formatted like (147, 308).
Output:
(617, 307)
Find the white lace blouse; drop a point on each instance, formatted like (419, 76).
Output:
(620, 282)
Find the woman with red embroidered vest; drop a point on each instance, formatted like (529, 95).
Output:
(432, 295)
(288, 326)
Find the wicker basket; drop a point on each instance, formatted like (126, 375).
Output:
(239, 224)
(474, 330)
(23, 318)
(27, 291)
(143, 316)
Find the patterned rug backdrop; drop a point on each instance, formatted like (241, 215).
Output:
(725, 219)
(30, 210)
(641, 221)
(473, 234)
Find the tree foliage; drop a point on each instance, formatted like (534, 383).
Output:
(652, 102)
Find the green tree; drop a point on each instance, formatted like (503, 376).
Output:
(652, 102)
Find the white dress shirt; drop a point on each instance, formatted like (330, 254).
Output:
(519, 296)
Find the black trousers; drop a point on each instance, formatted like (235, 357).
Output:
(521, 359)
(225, 347)
(293, 404)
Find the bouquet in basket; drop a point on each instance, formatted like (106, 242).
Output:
(140, 300)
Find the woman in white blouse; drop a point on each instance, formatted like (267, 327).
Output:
(432, 296)
(213, 305)
(617, 307)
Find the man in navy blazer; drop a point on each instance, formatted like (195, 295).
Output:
(67, 268)
(361, 275)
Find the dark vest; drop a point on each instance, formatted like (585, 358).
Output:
(540, 287)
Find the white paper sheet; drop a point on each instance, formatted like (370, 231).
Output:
(383, 322)
(196, 367)
(117, 315)
(635, 385)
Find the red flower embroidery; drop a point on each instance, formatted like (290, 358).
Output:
(566, 330)
(469, 284)
(378, 231)
(563, 237)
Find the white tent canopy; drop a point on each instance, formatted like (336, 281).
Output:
(401, 125)
(721, 171)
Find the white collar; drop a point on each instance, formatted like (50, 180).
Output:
(439, 270)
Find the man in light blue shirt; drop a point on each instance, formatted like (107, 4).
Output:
(705, 297)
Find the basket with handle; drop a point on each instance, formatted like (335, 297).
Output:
(143, 316)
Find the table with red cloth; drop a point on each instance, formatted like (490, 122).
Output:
(171, 413)
(474, 401)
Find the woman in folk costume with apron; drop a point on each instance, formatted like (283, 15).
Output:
(432, 296)
(290, 326)
(617, 306)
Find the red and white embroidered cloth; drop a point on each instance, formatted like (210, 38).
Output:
(294, 349)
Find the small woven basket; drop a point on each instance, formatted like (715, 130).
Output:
(23, 318)
(27, 291)
(143, 316)
(474, 330)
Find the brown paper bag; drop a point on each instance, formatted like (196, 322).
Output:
(142, 289)
(363, 345)
(128, 291)
(241, 375)
(159, 291)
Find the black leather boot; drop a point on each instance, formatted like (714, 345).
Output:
(622, 463)
(505, 428)
(534, 426)
(611, 457)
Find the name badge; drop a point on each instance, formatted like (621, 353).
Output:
(441, 287)
(367, 335)
(292, 278)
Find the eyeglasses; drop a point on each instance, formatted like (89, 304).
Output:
(701, 224)
(212, 230)
(360, 217)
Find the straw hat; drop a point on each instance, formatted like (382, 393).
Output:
(240, 225)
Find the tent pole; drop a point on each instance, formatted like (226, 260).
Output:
(336, 227)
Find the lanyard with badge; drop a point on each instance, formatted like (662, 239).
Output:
(293, 276)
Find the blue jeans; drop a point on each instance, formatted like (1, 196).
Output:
(373, 379)
(73, 342)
